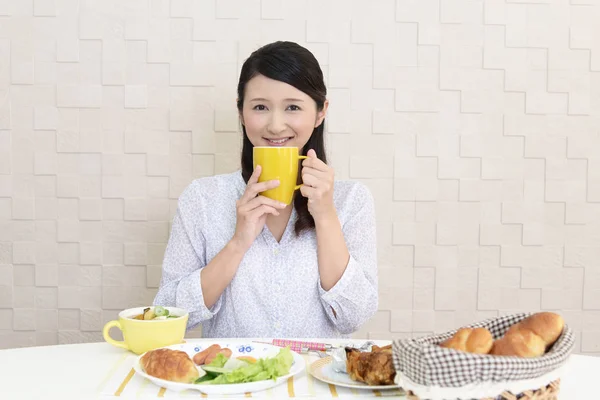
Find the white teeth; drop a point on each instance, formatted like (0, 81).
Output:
(278, 141)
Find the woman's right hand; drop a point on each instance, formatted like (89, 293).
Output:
(252, 210)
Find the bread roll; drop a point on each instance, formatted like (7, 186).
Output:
(472, 340)
(531, 337)
(171, 365)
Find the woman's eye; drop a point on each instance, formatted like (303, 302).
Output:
(293, 107)
(259, 107)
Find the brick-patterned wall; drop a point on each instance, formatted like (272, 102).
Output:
(475, 124)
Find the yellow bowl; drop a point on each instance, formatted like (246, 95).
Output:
(140, 336)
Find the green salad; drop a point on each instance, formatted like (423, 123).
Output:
(223, 370)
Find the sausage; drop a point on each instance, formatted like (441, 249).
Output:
(200, 358)
(226, 352)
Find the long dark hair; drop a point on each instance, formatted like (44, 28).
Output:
(293, 64)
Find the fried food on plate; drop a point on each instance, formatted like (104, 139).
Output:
(373, 368)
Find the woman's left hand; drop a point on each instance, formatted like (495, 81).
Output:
(317, 180)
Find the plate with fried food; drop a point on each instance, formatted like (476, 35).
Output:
(373, 370)
(219, 367)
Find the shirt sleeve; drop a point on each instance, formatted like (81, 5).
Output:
(355, 296)
(180, 284)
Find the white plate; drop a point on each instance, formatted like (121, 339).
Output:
(238, 348)
(323, 370)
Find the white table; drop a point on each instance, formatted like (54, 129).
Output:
(76, 372)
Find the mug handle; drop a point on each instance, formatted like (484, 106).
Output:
(105, 333)
(300, 158)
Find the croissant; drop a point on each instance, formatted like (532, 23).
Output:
(531, 337)
(171, 365)
(472, 340)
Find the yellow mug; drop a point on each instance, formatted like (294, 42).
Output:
(279, 163)
(141, 336)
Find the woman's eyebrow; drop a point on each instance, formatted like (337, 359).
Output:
(288, 99)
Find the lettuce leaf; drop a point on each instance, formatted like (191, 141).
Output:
(263, 369)
(219, 361)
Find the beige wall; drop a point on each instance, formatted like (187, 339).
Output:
(475, 123)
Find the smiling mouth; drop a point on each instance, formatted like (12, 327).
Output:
(278, 142)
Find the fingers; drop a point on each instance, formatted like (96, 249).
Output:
(251, 181)
(310, 180)
(260, 211)
(308, 192)
(323, 183)
(312, 162)
(315, 163)
(255, 175)
(257, 207)
(259, 201)
(315, 188)
(256, 188)
(253, 188)
(314, 172)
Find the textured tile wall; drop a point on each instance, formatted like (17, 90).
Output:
(475, 124)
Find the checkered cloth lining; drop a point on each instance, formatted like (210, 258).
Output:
(424, 362)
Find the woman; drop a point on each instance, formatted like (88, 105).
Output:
(247, 266)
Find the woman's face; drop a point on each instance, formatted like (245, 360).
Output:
(277, 114)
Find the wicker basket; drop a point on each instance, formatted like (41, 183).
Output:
(428, 371)
(550, 392)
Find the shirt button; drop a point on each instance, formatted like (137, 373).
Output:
(275, 251)
(277, 325)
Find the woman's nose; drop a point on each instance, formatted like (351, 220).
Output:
(276, 124)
